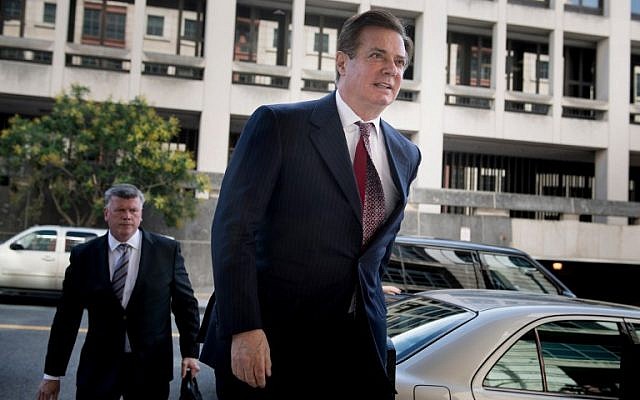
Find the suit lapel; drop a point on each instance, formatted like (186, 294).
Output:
(329, 139)
(397, 164)
(102, 254)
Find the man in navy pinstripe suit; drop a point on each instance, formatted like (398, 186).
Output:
(300, 311)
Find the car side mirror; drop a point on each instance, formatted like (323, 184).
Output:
(16, 246)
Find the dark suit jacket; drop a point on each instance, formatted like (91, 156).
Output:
(162, 285)
(287, 230)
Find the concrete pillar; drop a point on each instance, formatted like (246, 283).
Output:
(431, 66)
(612, 164)
(137, 41)
(213, 143)
(556, 69)
(59, 48)
(297, 48)
(498, 62)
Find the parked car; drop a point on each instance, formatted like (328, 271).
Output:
(419, 263)
(35, 260)
(478, 344)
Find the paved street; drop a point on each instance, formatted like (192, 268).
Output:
(24, 332)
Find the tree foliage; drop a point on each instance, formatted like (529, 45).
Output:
(71, 156)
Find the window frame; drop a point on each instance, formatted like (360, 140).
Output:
(47, 18)
(103, 13)
(467, 42)
(152, 28)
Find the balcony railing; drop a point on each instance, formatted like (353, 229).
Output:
(467, 101)
(249, 78)
(582, 113)
(527, 107)
(97, 62)
(172, 70)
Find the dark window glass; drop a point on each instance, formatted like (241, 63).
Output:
(74, 238)
(11, 9)
(155, 25)
(527, 67)
(321, 43)
(414, 323)
(267, 28)
(508, 272)
(635, 7)
(91, 22)
(49, 14)
(579, 358)
(580, 72)
(469, 61)
(115, 26)
(191, 29)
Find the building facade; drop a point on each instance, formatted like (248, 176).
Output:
(517, 97)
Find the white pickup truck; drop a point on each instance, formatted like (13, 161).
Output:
(34, 260)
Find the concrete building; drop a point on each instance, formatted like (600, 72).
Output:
(533, 102)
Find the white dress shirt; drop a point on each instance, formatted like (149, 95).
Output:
(135, 242)
(379, 157)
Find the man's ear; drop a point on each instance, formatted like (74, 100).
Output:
(341, 62)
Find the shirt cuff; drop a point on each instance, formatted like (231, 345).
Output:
(51, 378)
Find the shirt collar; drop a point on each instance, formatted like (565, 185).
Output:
(134, 241)
(348, 117)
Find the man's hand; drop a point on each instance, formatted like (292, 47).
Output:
(192, 364)
(48, 390)
(251, 358)
(391, 290)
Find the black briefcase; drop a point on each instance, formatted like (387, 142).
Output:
(189, 388)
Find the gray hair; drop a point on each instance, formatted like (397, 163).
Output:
(124, 191)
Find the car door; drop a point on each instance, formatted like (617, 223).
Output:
(72, 237)
(572, 357)
(30, 261)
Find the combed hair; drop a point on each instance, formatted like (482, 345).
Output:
(124, 191)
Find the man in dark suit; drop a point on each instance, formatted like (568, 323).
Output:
(129, 281)
(308, 211)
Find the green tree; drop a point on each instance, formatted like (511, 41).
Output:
(71, 156)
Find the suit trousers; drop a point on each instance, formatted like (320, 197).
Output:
(330, 362)
(128, 385)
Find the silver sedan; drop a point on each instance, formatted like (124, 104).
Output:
(504, 345)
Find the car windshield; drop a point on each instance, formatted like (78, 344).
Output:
(507, 272)
(417, 322)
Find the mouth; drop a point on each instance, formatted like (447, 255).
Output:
(383, 85)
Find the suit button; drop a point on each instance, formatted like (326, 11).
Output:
(124, 317)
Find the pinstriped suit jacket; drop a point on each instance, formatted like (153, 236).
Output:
(286, 235)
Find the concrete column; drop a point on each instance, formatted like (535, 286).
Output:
(556, 69)
(430, 68)
(297, 48)
(137, 41)
(612, 164)
(59, 48)
(213, 143)
(498, 61)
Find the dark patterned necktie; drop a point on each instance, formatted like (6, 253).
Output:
(120, 271)
(369, 185)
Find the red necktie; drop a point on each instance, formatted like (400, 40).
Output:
(369, 185)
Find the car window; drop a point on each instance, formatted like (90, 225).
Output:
(42, 240)
(414, 323)
(510, 272)
(416, 268)
(73, 238)
(578, 357)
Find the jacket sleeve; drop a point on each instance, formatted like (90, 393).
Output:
(185, 307)
(244, 197)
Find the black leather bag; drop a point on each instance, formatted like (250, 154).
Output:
(189, 388)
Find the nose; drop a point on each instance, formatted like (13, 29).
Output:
(390, 68)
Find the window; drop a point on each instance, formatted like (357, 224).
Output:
(49, 13)
(113, 33)
(415, 268)
(74, 238)
(584, 6)
(507, 272)
(635, 9)
(321, 32)
(321, 43)
(192, 30)
(580, 72)
(573, 357)
(262, 35)
(469, 61)
(43, 240)
(11, 9)
(155, 25)
(527, 67)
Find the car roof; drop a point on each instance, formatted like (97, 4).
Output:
(486, 299)
(457, 244)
